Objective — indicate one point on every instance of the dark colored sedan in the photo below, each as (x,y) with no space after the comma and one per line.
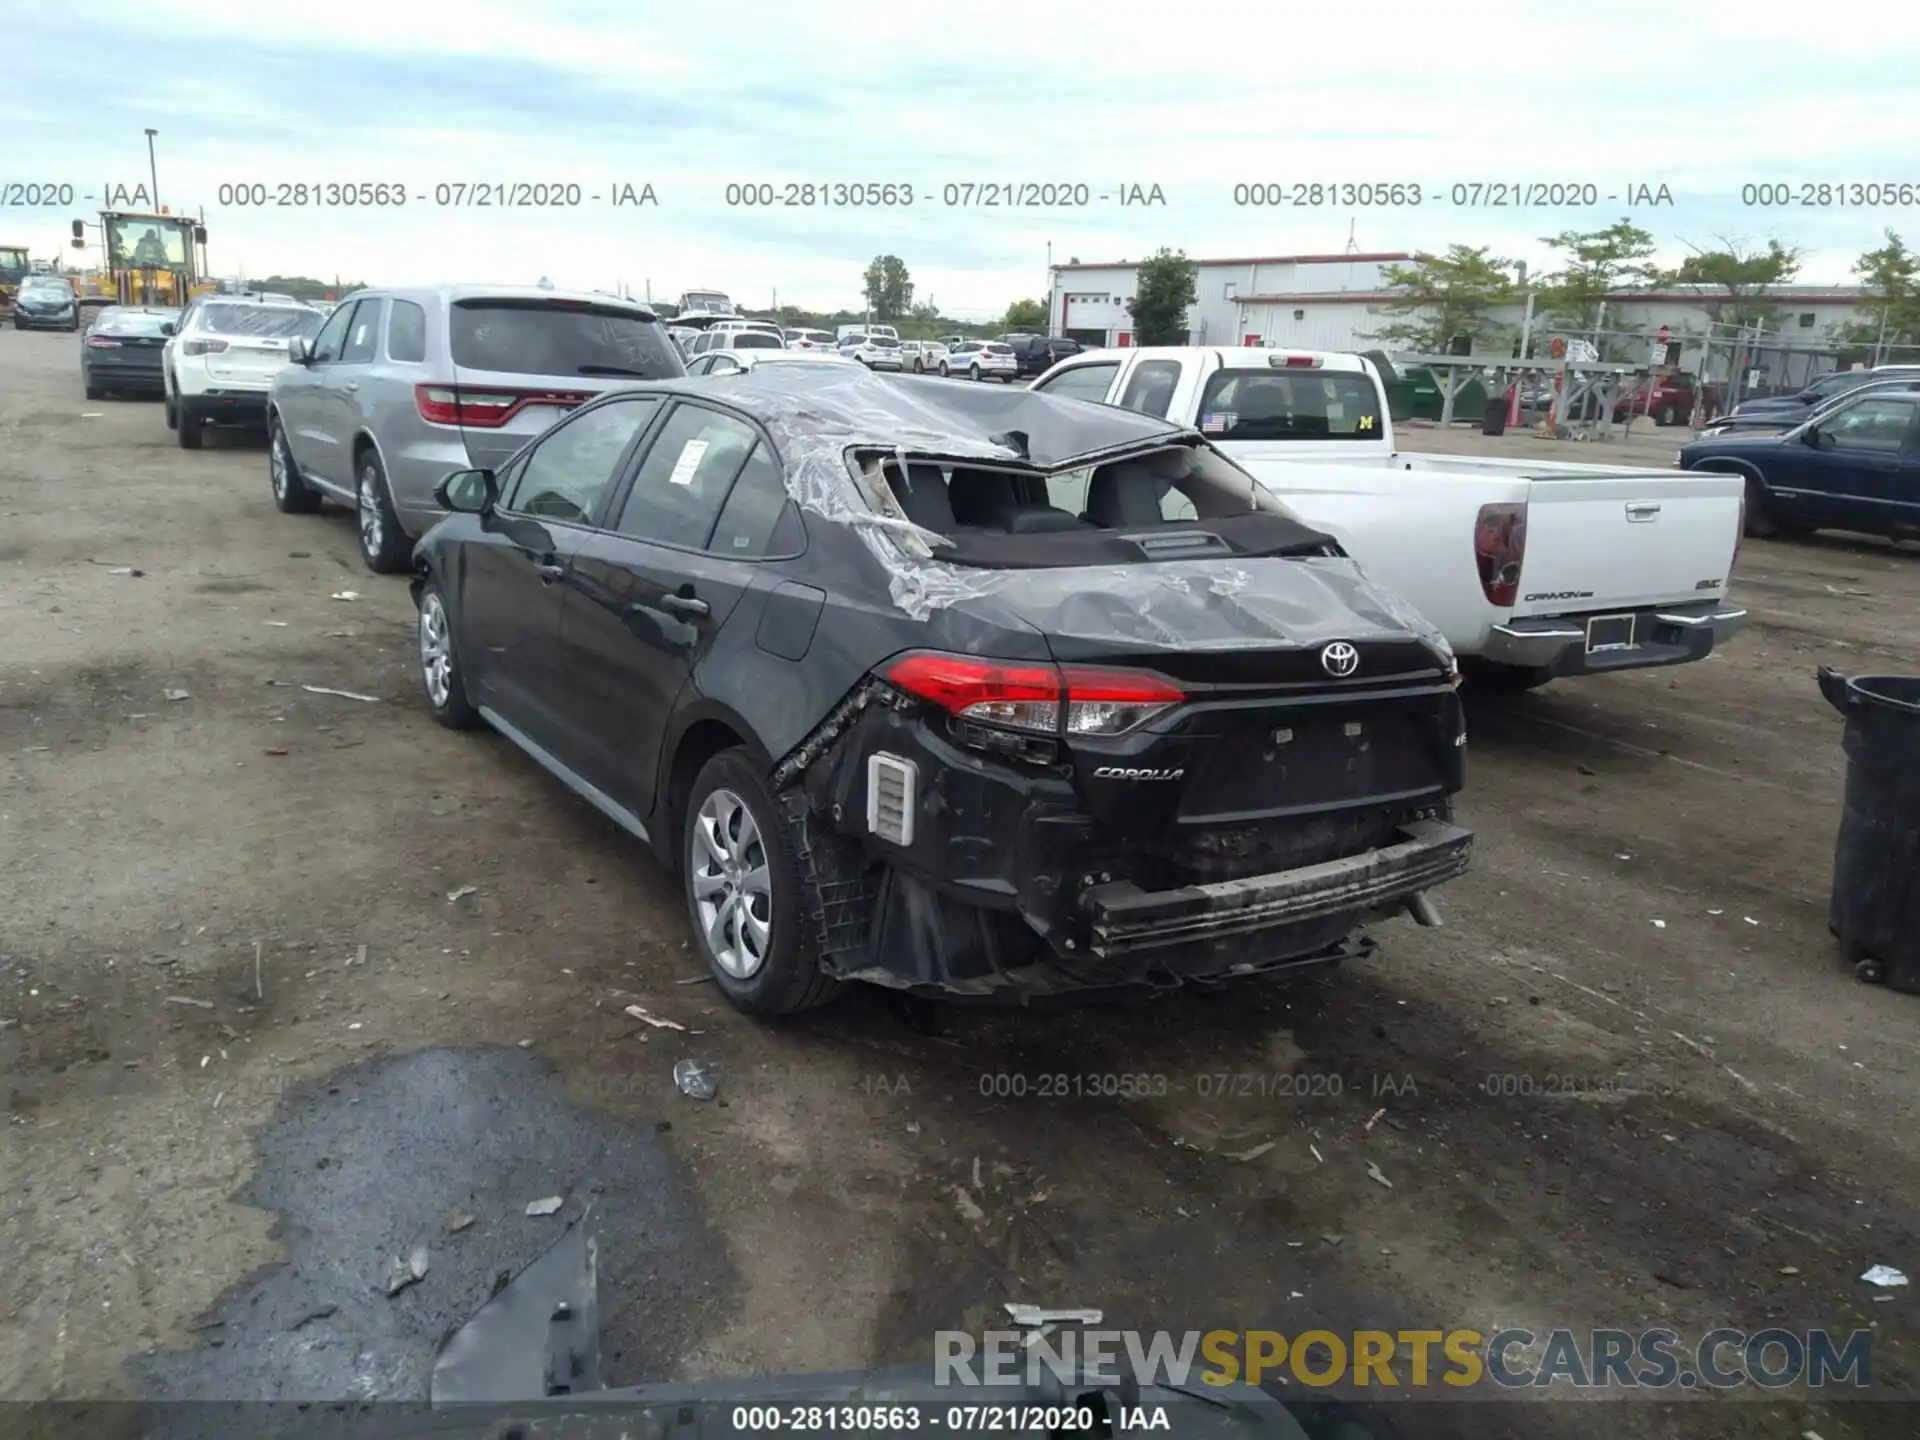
(958,690)
(45,302)
(122,351)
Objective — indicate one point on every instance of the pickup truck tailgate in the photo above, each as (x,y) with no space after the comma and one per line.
(1657,538)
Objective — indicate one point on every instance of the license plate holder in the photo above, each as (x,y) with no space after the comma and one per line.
(1610,632)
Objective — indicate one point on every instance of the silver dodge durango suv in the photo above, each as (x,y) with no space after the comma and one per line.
(403,385)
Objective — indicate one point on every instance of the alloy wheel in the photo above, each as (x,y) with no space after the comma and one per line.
(436,650)
(732,884)
(277,463)
(372,524)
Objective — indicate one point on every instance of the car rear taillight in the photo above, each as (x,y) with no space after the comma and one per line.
(1044,699)
(1739,534)
(100,342)
(486,409)
(1499,547)
(202,347)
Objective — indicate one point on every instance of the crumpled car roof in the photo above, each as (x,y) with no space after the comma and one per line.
(802,407)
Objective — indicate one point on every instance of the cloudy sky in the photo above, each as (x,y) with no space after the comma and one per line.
(1702,97)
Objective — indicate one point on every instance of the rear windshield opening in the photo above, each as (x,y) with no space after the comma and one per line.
(1020,519)
(1272,404)
(757,340)
(276,322)
(532,338)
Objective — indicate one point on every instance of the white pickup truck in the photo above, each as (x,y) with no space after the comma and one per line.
(1531,569)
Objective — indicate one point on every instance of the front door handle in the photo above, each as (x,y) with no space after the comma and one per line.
(549,573)
(685,605)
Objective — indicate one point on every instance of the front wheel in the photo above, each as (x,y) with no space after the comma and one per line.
(742,887)
(1668,414)
(383,544)
(1760,521)
(945,371)
(440,673)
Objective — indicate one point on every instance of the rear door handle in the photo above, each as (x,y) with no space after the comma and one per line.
(550,573)
(685,605)
(1644,510)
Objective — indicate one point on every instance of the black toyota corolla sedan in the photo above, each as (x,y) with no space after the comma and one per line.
(964,692)
(45,302)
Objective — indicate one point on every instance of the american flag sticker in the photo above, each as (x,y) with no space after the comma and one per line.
(1216,423)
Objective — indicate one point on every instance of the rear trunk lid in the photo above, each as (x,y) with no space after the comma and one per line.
(520,363)
(252,340)
(1660,538)
(1304,713)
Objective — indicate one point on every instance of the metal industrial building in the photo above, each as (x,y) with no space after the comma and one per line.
(1331,302)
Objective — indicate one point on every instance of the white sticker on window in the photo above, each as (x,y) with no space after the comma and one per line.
(689,461)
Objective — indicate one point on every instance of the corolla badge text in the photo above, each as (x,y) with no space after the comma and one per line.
(1122,772)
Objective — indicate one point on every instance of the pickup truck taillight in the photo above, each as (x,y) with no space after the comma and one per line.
(1739,534)
(1499,546)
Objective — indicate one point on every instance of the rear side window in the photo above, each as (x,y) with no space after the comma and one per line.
(684,482)
(363,338)
(753,508)
(407,332)
(757,340)
(1084,382)
(560,338)
(571,468)
(1276,404)
(1150,387)
(273,321)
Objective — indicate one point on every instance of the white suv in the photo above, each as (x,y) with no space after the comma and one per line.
(221,358)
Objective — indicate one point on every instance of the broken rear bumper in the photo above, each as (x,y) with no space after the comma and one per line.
(1125,920)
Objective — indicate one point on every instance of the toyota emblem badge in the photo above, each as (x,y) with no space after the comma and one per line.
(1340,659)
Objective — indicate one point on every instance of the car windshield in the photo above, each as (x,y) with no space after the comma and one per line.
(49,283)
(1273,404)
(1837,383)
(269,321)
(535,337)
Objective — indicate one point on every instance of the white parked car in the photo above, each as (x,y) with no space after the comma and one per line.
(810,340)
(876,352)
(718,339)
(1534,569)
(921,356)
(738,362)
(981,360)
(220,361)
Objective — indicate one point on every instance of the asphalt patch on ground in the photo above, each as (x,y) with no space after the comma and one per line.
(377,1160)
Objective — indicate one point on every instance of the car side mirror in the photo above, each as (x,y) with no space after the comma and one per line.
(1814,438)
(169,328)
(299,351)
(467,492)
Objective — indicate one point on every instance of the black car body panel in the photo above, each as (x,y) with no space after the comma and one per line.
(1854,466)
(1287,714)
(1789,413)
(123,349)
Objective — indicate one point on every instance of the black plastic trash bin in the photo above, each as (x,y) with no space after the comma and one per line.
(1875,908)
(1494,420)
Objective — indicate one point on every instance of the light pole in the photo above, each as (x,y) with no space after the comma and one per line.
(153,170)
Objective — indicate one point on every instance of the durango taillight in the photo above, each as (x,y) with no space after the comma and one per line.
(486,409)
(1499,547)
(202,347)
(1043,699)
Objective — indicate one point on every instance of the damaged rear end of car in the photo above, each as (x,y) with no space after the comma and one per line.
(1145,729)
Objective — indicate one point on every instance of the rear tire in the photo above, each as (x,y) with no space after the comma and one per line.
(189,430)
(737,863)
(94,392)
(946,372)
(291,493)
(383,544)
(973,373)
(1667,415)
(173,414)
